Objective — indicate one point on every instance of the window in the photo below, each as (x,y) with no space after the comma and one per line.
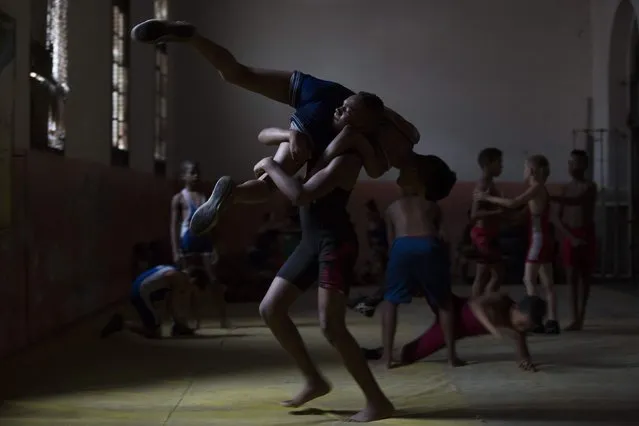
(161,88)
(57,85)
(120,83)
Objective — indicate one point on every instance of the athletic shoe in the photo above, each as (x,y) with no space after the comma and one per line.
(115,324)
(365,309)
(181,330)
(156,31)
(552,327)
(206,216)
(372,354)
(352,303)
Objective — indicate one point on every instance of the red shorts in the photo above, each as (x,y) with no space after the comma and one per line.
(541,248)
(486,242)
(582,257)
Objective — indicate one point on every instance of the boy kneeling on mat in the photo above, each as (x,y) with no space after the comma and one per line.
(159,283)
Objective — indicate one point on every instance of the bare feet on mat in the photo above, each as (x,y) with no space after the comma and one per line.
(372,412)
(311,391)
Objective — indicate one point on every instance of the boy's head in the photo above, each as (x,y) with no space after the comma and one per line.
(578,163)
(364,111)
(429,176)
(490,161)
(190,172)
(142,258)
(529,313)
(537,167)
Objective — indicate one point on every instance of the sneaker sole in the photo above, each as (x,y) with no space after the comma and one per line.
(155,31)
(206,216)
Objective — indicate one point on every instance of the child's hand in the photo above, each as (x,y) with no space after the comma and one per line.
(479,195)
(527,365)
(299,147)
(259,168)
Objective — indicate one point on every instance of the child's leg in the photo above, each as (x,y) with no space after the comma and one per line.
(270,83)
(299,272)
(480,282)
(496,277)
(332,313)
(531,273)
(573,281)
(425,345)
(547,280)
(217,289)
(585,281)
(447,324)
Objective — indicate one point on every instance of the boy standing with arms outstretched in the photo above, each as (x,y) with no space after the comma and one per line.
(576,212)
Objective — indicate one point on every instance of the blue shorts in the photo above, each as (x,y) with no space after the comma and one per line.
(418,263)
(193,244)
(315,102)
(147,288)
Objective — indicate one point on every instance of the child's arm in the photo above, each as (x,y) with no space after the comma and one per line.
(175,225)
(510,203)
(373,160)
(300,144)
(390,227)
(479,305)
(476,213)
(389,328)
(523,355)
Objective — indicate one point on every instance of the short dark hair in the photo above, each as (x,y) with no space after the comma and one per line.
(489,155)
(535,307)
(581,154)
(540,165)
(187,164)
(372,102)
(438,179)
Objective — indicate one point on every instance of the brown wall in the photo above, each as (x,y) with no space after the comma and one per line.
(68,253)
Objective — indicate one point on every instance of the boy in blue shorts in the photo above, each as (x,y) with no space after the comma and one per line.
(320,107)
(419,258)
(159,283)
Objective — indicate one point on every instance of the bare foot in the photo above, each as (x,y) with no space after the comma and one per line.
(574,326)
(373,412)
(311,391)
(456,362)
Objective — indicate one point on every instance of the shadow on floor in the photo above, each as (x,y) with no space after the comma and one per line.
(611,416)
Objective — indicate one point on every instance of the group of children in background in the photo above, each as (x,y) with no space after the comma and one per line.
(417,262)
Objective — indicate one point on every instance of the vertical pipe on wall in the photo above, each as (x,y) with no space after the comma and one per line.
(616,203)
(602,203)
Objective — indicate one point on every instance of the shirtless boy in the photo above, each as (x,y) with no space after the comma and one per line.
(541,244)
(577,210)
(490,313)
(419,259)
(485,232)
(190,250)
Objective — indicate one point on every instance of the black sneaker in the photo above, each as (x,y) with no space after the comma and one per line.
(365,309)
(206,216)
(372,354)
(181,330)
(352,303)
(155,31)
(115,324)
(552,327)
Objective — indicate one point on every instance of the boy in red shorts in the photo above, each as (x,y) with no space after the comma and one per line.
(577,210)
(485,218)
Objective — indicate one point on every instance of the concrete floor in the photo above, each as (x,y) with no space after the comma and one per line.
(237,377)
